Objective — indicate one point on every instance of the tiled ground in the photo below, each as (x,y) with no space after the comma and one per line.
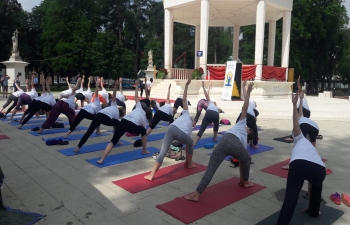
(71,191)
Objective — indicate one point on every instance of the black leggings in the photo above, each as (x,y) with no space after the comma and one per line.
(142,87)
(35,108)
(300,170)
(99,119)
(10,99)
(307,129)
(83,114)
(209,117)
(30,107)
(127,126)
(251,123)
(160,115)
(179,102)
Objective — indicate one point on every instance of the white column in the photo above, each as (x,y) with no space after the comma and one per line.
(197,46)
(168,40)
(204,35)
(272,41)
(259,38)
(287,18)
(236,31)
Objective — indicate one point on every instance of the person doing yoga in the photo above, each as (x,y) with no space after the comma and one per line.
(179,103)
(120,97)
(45,102)
(180,130)
(87,112)
(305,164)
(211,116)
(108,116)
(67,93)
(251,122)
(202,104)
(103,95)
(233,143)
(83,96)
(66,106)
(134,122)
(155,105)
(164,113)
(12,98)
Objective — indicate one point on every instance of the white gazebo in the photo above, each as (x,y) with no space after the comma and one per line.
(232,13)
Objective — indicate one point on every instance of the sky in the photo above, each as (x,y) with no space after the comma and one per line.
(29,4)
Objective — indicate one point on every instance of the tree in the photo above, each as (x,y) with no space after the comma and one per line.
(158,53)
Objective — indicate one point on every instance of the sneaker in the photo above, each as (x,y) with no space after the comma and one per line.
(345,199)
(335,198)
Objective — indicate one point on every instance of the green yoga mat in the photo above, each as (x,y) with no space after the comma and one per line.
(328,215)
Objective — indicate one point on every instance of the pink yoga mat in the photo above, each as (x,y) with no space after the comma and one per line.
(4,137)
(164,175)
(277,169)
(212,199)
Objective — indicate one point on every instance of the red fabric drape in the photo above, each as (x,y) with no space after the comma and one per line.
(216,73)
(271,72)
(248,72)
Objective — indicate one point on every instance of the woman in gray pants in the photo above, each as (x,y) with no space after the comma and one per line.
(181,131)
(233,143)
(211,116)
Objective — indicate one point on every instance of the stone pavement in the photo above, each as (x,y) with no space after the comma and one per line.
(71,191)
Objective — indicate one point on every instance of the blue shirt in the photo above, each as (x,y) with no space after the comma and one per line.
(5,81)
(35,80)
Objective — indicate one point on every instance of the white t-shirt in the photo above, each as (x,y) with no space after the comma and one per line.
(303,149)
(212,107)
(48,99)
(104,94)
(251,111)
(70,101)
(67,92)
(305,105)
(120,97)
(42,95)
(167,108)
(87,94)
(184,122)
(240,131)
(18,93)
(308,121)
(33,94)
(149,84)
(252,103)
(80,90)
(137,116)
(93,107)
(111,111)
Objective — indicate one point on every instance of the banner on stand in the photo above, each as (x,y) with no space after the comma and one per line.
(229,80)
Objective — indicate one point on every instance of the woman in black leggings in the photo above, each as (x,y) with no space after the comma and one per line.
(178,103)
(251,122)
(305,164)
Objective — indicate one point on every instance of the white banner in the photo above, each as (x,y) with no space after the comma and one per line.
(229,80)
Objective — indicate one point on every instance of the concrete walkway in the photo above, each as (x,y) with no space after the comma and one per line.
(71,191)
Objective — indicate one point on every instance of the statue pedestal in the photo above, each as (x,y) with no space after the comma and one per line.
(14,67)
(15,56)
(150,72)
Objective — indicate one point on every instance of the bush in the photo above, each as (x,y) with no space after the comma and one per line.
(162,73)
(197,73)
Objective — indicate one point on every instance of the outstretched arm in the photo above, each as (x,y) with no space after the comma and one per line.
(121,85)
(299,85)
(246,93)
(168,96)
(82,81)
(102,83)
(76,86)
(209,88)
(32,84)
(184,98)
(67,80)
(48,84)
(27,85)
(296,127)
(98,84)
(136,92)
(89,80)
(300,113)
(43,85)
(205,92)
(115,90)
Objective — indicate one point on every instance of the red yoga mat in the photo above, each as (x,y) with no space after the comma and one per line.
(164,175)
(278,170)
(2,137)
(215,197)
(155,99)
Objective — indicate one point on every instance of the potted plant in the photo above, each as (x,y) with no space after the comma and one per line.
(162,73)
(197,73)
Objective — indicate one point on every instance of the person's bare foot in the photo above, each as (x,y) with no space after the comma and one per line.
(215,139)
(192,197)
(20,126)
(247,184)
(119,143)
(288,139)
(286,167)
(190,166)
(149,177)
(307,210)
(145,152)
(76,150)
(256,146)
(40,131)
(99,161)
(99,132)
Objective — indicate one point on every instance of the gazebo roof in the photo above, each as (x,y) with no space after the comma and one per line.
(226,13)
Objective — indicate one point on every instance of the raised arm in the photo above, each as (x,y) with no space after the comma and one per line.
(27,84)
(102,83)
(299,85)
(76,86)
(32,84)
(296,127)
(82,81)
(168,96)
(246,94)
(18,87)
(67,80)
(136,92)
(43,85)
(121,85)
(89,80)
(184,98)
(48,84)
(115,90)
(300,113)
(209,88)
(205,92)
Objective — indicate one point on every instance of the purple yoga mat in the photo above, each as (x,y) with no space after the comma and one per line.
(197,127)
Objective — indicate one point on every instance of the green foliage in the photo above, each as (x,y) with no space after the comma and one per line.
(197,73)
(158,53)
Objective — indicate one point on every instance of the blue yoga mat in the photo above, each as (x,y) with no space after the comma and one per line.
(198,127)
(153,137)
(123,157)
(56,131)
(75,137)
(262,148)
(91,148)
(203,141)
(31,126)
(32,121)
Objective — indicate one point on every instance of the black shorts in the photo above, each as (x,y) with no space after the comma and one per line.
(80,96)
(307,129)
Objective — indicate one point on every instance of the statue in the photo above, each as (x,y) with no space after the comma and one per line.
(150,58)
(15,41)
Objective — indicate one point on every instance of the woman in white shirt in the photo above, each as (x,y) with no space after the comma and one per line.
(179,103)
(233,143)
(66,93)
(45,102)
(103,95)
(120,98)
(211,116)
(164,113)
(134,122)
(108,116)
(12,98)
(180,130)
(251,123)
(305,164)
(84,96)
(87,112)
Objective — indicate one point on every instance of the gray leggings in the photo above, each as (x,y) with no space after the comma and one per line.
(10,99)
(209,117)
(229,145)
(174,133)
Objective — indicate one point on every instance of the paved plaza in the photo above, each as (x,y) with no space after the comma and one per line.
(71,191)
